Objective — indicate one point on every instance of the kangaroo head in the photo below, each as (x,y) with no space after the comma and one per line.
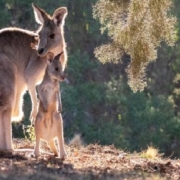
(51,36)
(55,69)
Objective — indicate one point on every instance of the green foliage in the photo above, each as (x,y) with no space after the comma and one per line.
(148,120)
(136,27)
(29,132)
(144,119)
(105,133)
(82,97)
(129,121)
(4,14)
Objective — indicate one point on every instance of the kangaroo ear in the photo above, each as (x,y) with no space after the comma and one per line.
(60,15)
(58,56)
(40,15)
(50,57)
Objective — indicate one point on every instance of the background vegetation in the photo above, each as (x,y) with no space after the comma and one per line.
(97,101)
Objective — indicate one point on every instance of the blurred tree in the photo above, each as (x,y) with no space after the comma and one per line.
(136,27)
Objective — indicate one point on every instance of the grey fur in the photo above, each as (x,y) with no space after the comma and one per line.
(49,123)
(22,69)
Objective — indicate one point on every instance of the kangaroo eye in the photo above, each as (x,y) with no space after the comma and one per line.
(56,69)
(52,36)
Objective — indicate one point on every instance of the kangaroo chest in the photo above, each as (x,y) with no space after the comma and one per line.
(48,92)
(50,126)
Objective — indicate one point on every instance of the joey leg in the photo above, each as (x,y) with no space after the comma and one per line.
(60,136)
(53,147)
(38,125)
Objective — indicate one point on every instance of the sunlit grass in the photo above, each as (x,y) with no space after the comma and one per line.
(150,153)
(76,141)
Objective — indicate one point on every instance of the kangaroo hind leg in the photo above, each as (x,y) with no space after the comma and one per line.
(5,131)
(5,121)
(53,147)
(60,135)
(7,97)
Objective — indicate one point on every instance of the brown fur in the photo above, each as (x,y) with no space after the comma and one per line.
(21,69)
(48,123)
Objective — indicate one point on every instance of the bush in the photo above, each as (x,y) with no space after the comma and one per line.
(131,121)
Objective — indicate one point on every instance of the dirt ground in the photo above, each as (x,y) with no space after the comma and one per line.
(92,162)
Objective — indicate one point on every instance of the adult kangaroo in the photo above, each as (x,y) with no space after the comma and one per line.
(22,67)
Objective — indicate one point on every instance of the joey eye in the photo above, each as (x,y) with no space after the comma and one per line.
(56,69)
(52,36)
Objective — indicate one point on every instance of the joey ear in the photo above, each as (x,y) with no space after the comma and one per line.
(50,57)
(58,56)
(60,15)
(40,15)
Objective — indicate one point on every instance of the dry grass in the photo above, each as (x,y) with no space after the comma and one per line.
(76,141)
(86,163)
(150,153)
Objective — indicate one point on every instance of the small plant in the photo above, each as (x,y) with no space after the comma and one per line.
(76,141)
(28,132)
(150,153)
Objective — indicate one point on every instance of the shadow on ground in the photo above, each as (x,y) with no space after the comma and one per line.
(84,163)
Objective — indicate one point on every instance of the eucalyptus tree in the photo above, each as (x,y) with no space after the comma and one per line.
(136,27)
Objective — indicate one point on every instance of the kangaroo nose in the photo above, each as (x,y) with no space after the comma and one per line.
(40,51)
(63,77)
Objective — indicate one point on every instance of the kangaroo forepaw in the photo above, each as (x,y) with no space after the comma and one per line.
(35,154)
(62,155)
(33,116)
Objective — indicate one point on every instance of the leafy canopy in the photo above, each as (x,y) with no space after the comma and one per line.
(137,28)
